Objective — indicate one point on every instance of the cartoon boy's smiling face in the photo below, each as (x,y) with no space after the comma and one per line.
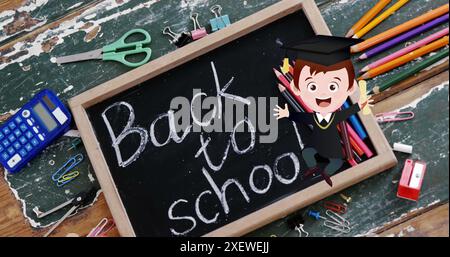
(324,91)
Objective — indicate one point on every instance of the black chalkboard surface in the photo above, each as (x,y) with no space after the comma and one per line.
(163,175)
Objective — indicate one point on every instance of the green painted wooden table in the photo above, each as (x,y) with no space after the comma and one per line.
(33,33)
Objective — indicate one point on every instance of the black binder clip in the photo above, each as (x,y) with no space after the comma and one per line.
(296,223)
(178,39)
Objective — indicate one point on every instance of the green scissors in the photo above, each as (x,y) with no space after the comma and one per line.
(116,51)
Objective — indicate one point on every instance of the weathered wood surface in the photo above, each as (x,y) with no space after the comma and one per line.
(53,28)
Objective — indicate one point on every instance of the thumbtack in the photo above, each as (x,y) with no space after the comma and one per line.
(315,215)
(74,144)
(347,199)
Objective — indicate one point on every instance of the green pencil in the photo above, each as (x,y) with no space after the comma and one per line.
(412,71)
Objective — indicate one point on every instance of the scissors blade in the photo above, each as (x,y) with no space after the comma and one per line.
(95,54)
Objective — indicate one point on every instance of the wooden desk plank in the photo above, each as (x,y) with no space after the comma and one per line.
(433,223)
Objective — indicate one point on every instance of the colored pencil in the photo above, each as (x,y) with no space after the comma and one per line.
(289,99)
(358,148)
(405,58)
(288,74)
(437,71)
(375,22)
(407,50)
(404,37)
(359,141)
(368,17)
(286,84)
(400,29)
(412,71)
(356,123)
(346,141)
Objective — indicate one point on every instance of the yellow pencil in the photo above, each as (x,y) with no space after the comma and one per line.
(380,18)
(405,58)
(367,17)
(375,40)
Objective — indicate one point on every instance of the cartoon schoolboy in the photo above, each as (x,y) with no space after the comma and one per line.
(324,78)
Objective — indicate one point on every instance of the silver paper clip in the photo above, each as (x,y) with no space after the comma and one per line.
(62,175)
(336,222)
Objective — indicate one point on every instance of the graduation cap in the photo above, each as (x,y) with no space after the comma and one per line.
(324,50)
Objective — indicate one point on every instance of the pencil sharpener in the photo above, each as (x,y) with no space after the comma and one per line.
(199,31)
(220,21)
(411,180)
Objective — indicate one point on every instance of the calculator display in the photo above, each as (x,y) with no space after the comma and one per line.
(45,117)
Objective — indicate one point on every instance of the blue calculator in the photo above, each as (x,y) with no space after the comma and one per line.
(31,129)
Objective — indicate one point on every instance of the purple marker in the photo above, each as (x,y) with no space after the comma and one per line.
(404,37)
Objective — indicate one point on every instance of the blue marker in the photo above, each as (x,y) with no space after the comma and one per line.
(356,123)
(40,121)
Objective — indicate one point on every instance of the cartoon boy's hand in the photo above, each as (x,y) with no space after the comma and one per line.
(364,100)
(280,112)
(367,101)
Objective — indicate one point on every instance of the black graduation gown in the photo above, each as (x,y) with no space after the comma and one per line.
(325,138)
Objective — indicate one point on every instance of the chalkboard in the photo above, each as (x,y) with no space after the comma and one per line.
(205,182)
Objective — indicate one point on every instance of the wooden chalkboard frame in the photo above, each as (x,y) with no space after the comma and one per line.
(79,104)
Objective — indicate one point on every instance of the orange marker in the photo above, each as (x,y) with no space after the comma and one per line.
(367,17)
(400,29)
(406,58)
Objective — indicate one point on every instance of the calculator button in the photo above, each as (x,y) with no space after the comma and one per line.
(5,156)
(17,133)
(23,152)
(23,127)
(28,147)
(41,137)
(26,114)
(5,143)
(22,140)
(18,120)
(14,160)
(35,130)
(28,134)
(6,130)
(34,142)
(10,150)
(17,145)
(30,122)
(12,125)
(12,138)
(1,136)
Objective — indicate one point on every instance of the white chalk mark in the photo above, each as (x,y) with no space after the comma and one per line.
(221,193)
(299,138)
(127,130)
(202,149)
(153,138)
(252,137)
(170,213)
(198,212)
(296,168)
(251,181)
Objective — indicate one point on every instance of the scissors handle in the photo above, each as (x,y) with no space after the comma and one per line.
(120,56)
(111,52)
(119,44)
